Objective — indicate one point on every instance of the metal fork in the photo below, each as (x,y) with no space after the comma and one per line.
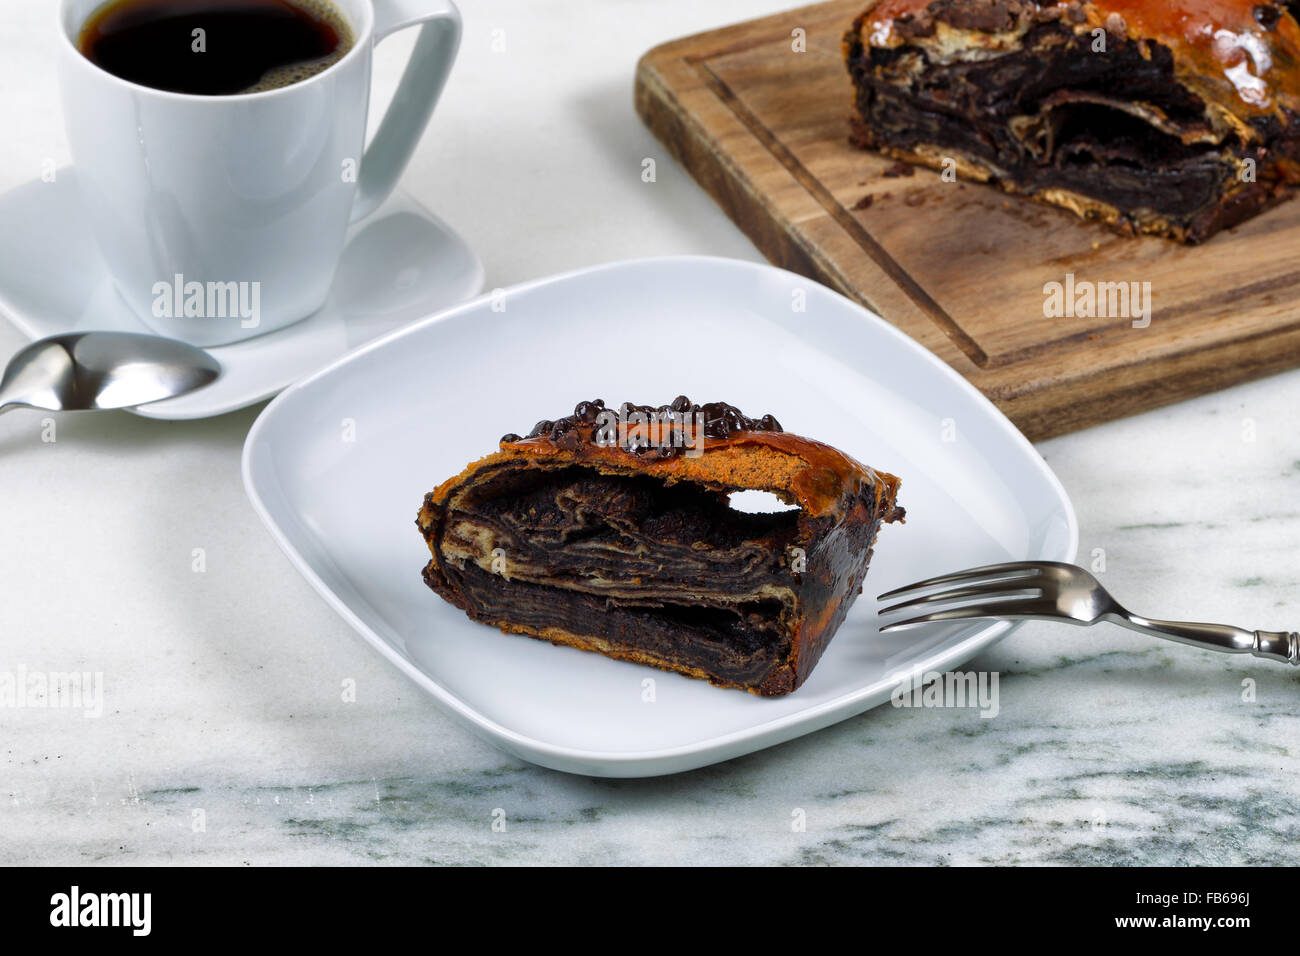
(1050,591)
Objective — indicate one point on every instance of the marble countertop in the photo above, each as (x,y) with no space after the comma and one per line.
(224,736)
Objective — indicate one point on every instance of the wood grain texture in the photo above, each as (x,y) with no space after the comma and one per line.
(960,266)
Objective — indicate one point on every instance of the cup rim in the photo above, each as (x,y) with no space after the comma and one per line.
(360,39)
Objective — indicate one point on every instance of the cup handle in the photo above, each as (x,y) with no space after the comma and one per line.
(417,94)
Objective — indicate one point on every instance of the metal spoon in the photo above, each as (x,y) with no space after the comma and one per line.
(80,371)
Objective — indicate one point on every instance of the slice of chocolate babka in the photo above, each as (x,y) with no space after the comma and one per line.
(1171,117)
(612,530)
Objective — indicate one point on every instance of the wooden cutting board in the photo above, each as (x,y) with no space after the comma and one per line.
(959,266)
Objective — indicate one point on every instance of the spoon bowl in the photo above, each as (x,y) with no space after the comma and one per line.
(87,371)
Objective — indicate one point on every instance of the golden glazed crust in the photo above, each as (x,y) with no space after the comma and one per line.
(800,471)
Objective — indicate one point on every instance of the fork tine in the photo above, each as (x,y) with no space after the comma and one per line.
(994,591)
(1018,568)
(1004,611)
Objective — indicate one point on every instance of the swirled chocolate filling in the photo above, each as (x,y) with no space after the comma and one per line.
(1063,103)
(642,556)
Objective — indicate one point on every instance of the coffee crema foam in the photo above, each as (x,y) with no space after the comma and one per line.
(282,76)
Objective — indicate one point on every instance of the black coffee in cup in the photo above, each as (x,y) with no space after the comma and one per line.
(216,47)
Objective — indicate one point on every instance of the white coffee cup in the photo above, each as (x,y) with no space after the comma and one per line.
(212,205)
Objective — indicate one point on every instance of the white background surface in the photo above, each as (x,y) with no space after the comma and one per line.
(223,689)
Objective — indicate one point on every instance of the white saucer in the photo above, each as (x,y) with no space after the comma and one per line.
(400,264)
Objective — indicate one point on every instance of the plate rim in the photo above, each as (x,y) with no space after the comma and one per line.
(642,763)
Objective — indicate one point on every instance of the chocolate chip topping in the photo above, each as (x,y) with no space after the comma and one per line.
(719,419)
(1267,16)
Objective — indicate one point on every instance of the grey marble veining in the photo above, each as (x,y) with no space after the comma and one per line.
(1108,748)
(226,737)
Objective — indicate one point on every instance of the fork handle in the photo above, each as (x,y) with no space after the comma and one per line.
(1280,646)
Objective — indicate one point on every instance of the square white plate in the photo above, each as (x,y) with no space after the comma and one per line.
(338,464)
